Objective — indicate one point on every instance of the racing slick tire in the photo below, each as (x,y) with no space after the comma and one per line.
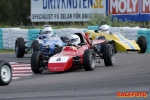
(57,50)
(102,49)
(37,65)
(20,47)
(109,55)
(142,44)
(5,73)
(102,44)
(35,45)
(89,60)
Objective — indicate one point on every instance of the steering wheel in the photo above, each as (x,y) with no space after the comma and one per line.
(101,23)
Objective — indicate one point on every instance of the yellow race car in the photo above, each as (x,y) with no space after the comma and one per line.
(118,41)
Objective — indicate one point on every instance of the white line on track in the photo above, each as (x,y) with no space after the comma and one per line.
(21,75)
(21,68)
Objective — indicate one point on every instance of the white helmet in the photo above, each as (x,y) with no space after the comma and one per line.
(48,32)
(75,39)
(104,28)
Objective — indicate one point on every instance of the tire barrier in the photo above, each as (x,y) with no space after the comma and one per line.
(8,36)
(146,33)
(1,40)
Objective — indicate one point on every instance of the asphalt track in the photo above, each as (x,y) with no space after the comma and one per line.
(130,73)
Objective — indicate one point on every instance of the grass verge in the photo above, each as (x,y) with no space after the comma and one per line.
(7,51)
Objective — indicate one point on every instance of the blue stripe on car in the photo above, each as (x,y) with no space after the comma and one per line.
(132,47)
(123,40)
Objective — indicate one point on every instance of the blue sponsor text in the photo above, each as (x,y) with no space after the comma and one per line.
(72,4)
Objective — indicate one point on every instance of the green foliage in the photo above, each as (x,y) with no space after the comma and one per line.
(15,13)
(113,21)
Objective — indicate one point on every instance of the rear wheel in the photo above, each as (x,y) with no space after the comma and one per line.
(89,60)
(5,73)
(109,55)
(102,45)
(101,38)
(35,45)
(142,44)
(20,47)
(37,65)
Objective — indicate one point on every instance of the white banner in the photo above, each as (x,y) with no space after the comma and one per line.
(65,10)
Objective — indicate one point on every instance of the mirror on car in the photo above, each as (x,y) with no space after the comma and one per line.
(96,31)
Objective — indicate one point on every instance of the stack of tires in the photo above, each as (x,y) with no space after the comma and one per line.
(130,32)
(92,27)
(1,40)
(32,35)
(146,33)
(5,38)
(13,34)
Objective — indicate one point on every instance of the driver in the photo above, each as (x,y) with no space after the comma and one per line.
(105,28)
(75,40)
(47,33)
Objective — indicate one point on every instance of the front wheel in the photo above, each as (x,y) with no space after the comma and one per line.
(35,45)
(37,65)
(142,44)
(102,45)
(89,60)
(5,73)
(20,47)
(109,55)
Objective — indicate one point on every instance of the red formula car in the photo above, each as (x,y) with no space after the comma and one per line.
(86,55)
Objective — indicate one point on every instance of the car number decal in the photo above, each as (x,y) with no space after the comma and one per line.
(58,59)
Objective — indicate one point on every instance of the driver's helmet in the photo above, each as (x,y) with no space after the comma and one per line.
(104,28)
(47,32)
(75,39)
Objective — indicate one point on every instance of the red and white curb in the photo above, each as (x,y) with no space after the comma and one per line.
(20,70)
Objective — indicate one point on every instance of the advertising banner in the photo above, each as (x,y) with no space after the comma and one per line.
(65,10)
(134,10)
